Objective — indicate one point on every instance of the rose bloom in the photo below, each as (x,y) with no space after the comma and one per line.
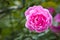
(38,19)
(55,29)
(57,17)
(51,10)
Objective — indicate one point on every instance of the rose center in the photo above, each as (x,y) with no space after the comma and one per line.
(38,20)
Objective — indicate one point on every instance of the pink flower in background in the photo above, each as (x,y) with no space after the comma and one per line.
(55,29)
(38,19)
(57,17)
(51,10)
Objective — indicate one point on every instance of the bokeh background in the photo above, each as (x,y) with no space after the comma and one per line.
(12,19)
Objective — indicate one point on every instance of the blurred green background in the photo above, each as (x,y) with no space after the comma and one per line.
(12,19)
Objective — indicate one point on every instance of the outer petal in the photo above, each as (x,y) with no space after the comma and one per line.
(29,26)
(32,10)
(49,17)
(39,30)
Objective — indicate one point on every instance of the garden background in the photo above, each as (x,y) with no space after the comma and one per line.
(12,20)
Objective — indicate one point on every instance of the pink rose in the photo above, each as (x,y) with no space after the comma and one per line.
(57,17)
(51,10)
(38,19)
(55,29)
